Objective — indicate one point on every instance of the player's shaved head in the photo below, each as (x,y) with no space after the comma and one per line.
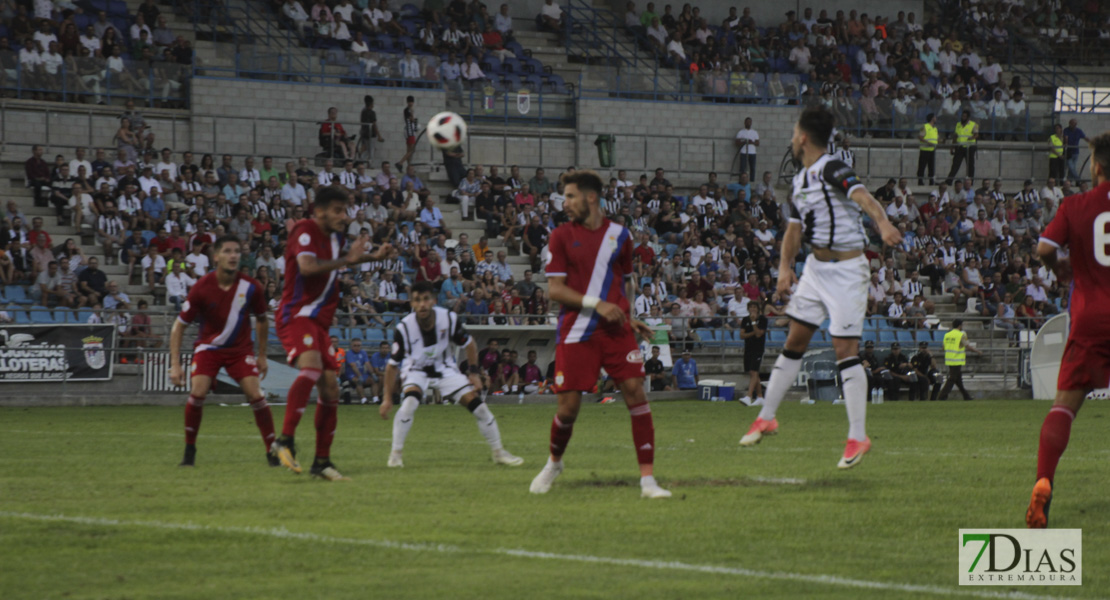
(1100,156)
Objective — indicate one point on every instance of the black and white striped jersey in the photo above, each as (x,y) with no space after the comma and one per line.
(428,351)
(821,203)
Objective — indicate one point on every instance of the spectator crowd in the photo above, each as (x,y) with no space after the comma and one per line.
(64,50)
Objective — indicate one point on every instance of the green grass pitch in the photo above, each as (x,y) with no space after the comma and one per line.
(93,506)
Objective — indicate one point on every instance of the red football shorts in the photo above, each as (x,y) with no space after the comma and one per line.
(577,366)
(411,140)
(239,364)
(1086,365)
(301,335)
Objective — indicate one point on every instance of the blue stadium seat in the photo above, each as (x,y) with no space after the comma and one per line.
(16,295)
(375,336)
(40,314)
(905,337)
(869,335)
(776,336)
(20,317)
(403,296)
(79,316)
(338,332)
(887,336)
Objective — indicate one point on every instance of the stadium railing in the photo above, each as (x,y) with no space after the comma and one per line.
(90,81)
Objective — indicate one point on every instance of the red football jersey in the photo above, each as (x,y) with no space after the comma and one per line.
(314,297)
(224,315)
(595,263)
(1081,225)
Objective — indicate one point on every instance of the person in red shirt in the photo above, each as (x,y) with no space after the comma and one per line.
(308,303)
(644,251)
(589,268)
(222,302)
(162,243)
(1080,225)
(333,138)
(37,231)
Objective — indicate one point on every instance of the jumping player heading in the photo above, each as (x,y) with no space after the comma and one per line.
(223,301)
(308,303)
(825,211)
(589,268)
(1080,224)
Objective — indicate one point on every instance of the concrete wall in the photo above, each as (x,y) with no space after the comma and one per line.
(243,117)
(62,127)
(686,139)
(768,14)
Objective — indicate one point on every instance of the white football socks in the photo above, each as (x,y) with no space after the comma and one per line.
(782,377)
(402,422)
(855,397)
(487,424)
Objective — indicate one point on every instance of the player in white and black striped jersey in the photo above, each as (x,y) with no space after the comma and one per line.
(845,153)
(826,211)
(423,355)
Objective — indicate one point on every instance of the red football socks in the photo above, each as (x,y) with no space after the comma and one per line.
(561,430)
(327,415)
(298,399)
(1054,440)
(264,419)
(643,433)
(194,410)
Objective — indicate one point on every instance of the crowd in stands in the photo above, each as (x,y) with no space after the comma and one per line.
(454,44)
(91,50)
(702,257)
(878,75)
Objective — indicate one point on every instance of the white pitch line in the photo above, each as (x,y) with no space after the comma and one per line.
(657,565)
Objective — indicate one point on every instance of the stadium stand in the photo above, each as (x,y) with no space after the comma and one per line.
(730,243)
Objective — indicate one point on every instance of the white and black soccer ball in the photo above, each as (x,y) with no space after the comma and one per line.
(446,130)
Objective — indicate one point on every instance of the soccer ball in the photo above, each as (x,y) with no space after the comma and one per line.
(446,130)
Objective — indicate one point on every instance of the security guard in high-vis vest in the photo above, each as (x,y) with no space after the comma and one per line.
(1056,153)
(927,153)
(967,133)
(955,356)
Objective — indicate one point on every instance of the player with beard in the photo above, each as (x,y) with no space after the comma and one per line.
(308,302)
(588,272)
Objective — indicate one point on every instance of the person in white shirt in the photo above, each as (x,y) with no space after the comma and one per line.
(747,144)
(657,34)
(327,176)
(898,210)
(147,181)
(344,10)
(296,13)
(140,26)
(165,163)
(702,202)
(551,16)
(989,72)
(800,56)
(645,301)
(503,23)
(675,49)
(177,285)
(293,192)
(472,74)
(1015,113)
(197,261)
(80,161)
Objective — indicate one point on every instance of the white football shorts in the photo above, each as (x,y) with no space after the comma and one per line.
(832,290)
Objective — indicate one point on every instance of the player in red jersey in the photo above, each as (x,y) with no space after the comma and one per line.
(1080,224)
(308,303)
(589,268)
(223,301)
